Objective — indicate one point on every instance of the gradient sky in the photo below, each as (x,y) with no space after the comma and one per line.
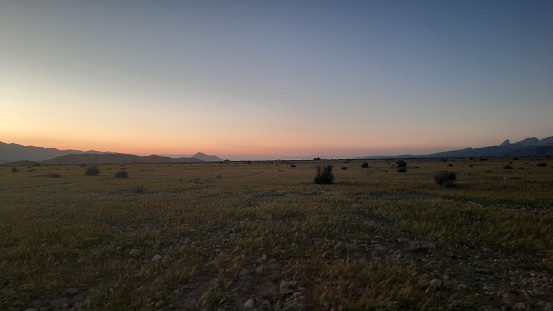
(275,79)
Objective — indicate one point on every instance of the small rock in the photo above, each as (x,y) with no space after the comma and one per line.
(259,270)
(249,303)
(263,258)
(30,309)
(72,291)
(157,258)
(60,304)
(436,283)
(244,272)
(445,277)
(520,306)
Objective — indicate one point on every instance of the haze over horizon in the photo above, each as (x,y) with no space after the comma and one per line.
(268,80)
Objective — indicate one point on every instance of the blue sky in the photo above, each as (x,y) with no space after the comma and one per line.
(267,79)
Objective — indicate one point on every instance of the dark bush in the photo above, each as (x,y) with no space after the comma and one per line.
(401,169)
(293,165)
(92,171)
(324,175)
(446,179)
(344,167)
(364,165)
(539,164)
(401,163)
(317,159)
(507,167)
(122,174)
(54,175)
(450,164)
(139,189)
(15,169)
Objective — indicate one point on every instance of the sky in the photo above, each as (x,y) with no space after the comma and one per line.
(275,79)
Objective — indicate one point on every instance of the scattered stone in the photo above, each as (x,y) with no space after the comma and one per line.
(244,272)
(263,258)
(259,270)
(287,287)
(435,283)
(445,277)
(63,303)
(30,309)
(72,291)
(520,306)
(249,303)
(156,258)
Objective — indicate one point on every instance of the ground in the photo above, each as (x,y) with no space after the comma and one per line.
(263,236)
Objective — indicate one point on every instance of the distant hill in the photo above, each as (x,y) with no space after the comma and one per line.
(207,158)
(525,148)
(91,158)
(15,152)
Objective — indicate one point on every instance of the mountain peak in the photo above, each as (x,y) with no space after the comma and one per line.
(530,141)
(505,143)
(208,158)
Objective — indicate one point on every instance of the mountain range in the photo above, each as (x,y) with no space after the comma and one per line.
(9,153)
(18,153)
(527,147)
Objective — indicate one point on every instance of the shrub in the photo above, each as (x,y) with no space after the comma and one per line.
(138,189)
(364,165)
(507,167)
(15,169)
(122,174)
(293,165)
(92,171)
(54,175)
(446,179)
(401,163)
(450,164)
(324,175)
(344,167)
(539,164)
(401,169)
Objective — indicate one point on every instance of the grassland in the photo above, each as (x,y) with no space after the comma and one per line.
(212,236)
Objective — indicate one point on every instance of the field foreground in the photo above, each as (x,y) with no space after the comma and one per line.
(262,236)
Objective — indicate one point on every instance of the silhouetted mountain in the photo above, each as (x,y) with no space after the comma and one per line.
(91,158)
(207,158)
(527,147)
(15,152)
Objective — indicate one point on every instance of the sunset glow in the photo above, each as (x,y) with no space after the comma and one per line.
(269,80)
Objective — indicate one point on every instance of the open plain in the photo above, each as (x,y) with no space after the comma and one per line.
(263,236)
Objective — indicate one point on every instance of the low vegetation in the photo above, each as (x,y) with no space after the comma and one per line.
(213,236)
(122,174)
(92,171)
(324,175)
(446,179)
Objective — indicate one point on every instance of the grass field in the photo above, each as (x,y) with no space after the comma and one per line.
(263,236)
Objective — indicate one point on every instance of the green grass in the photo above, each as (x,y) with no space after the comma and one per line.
(225,233)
